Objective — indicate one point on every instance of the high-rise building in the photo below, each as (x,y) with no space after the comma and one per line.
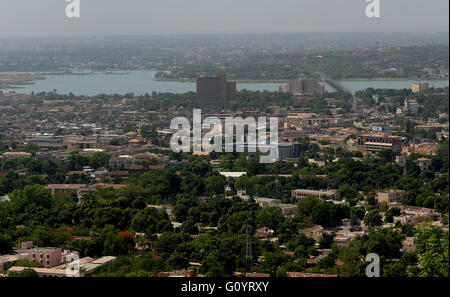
(303,86)
(411,106)
(215,90)
(420,87)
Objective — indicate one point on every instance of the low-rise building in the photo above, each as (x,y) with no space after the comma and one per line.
(47,272)
(390,196)
(79,190)
(16,155)
(85,266)
(424,164)
(65,189)
(48,256)
(322,194)
(7,260)
(314,232)
(374,142)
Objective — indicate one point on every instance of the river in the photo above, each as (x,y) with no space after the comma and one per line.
(141,82)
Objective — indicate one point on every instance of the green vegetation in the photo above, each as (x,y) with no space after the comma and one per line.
(117,220)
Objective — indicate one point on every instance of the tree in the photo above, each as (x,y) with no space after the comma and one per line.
(373,218)
(384,206)
(352,262)
(303,246)
(287,230)
(387,155)
(432,245)
(326,240)
(181,209)
(75,161)
(31,197)
(390,213)
(140,273)
(148,131)
(347,191)
(116,245)
(306,206)
(273,260)
(25,273)
(189,227)
(6,243)
(238,221)
(177,261)
(324,214)
(27,263)
(98,160)
(270,217)
(394,270)
(215,184)
(41,236)
(385,242)
(213,267)
(168,242)
(150,220)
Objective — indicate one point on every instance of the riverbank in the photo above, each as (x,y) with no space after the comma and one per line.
(239,81)
(391,79)
(17,81)
(281,81)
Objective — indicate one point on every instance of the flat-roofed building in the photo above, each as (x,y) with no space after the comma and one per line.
(104,260)
(6,261)
(391,196)
(288,151)
(303,86)
(289,210)
(86,266)
(16,155)
(46,140)
(322,194)
(94,187)
(419,87)
(373,142)
(47,272)
(232,174)
(47,256)
(215,90)
(79,190)
(65,189)
(411,106)
(80,142)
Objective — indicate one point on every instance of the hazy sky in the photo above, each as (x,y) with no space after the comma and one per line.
(20,18)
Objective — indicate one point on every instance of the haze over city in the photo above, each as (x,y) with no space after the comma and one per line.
(23,18)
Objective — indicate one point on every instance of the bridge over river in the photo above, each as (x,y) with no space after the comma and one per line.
(340,88)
